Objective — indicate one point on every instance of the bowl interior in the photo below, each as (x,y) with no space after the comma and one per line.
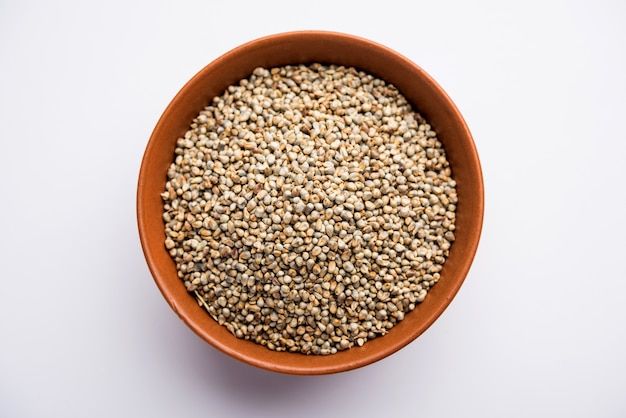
(295,48)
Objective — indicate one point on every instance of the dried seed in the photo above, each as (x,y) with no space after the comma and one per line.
(309,208)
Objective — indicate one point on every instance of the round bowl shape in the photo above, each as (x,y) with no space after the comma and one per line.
(419,89)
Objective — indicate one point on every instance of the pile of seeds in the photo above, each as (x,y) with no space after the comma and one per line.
(309,208)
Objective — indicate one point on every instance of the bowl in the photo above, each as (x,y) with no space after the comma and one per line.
(304,47)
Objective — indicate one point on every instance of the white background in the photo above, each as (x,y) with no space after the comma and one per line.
(538,329)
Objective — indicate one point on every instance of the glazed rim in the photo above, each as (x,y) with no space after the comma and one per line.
(470,210)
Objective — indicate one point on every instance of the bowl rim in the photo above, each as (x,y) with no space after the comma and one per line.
(368,358)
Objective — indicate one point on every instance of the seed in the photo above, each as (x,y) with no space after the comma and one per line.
(309,208)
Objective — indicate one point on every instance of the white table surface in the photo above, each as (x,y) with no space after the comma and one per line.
(538,329)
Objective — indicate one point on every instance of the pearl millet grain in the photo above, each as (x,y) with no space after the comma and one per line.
(309,208)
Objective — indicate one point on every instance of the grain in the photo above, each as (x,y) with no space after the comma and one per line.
(309,208)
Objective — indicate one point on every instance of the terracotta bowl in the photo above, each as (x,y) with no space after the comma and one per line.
(296,48)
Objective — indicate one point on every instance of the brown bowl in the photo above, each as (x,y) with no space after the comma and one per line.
(298,48)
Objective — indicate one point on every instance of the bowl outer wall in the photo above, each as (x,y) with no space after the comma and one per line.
(426,97)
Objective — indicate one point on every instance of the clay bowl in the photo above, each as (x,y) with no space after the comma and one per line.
(295,48)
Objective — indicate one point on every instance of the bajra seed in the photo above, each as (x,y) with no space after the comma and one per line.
(309,208)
